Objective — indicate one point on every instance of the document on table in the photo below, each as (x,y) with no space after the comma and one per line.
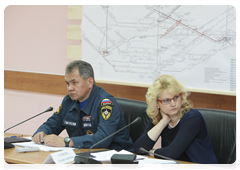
(105,156)
(41,146)
(155,161)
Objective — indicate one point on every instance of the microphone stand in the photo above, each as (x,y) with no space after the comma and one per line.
(86,161)
(7,144)
(49,109)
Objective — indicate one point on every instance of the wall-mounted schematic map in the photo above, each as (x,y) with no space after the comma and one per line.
(136,44)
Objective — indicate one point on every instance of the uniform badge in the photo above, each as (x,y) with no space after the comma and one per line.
(89,132)
(106,102)
(58,110)
(68,123)
(87,124)
(106,110)
(86,118)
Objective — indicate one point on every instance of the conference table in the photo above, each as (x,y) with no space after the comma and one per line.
(34,160)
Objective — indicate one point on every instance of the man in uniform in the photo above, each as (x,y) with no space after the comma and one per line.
(88,113)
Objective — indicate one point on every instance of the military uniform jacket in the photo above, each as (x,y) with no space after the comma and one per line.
(100,117)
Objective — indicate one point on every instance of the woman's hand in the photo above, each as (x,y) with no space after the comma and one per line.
(165,119)
(158,128)
(152,152)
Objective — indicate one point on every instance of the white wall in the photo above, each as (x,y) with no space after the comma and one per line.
(19,106)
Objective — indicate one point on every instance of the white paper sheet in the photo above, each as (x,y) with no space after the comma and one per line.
(155,161)
(41,146)
(105,156)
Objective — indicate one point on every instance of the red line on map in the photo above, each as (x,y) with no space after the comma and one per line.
(169,30)
(195,30)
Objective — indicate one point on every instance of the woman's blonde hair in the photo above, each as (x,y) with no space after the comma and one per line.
(170,83)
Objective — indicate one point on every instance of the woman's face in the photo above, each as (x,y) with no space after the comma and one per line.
(170,108)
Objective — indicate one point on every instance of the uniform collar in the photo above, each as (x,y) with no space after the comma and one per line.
(88,106)
(75,105)
(82,104)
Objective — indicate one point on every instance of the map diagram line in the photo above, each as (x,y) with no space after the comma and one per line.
(179,22)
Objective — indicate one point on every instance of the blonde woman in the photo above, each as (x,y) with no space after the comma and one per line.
(183,131)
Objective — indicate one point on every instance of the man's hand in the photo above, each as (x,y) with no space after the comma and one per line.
(38,138)
(54,140)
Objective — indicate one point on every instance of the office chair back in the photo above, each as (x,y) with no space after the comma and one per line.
(222,130)
(131,110)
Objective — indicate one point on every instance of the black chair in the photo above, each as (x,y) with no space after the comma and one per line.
(221,126)
(222,130)
(131,110)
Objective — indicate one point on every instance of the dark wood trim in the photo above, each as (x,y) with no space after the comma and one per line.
(55,84)
(35,82)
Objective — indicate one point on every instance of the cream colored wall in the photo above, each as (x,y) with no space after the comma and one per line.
(19,106)
(35,40)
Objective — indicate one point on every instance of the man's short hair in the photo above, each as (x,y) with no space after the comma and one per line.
(85,69)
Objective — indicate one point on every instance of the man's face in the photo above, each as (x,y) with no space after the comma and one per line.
(77,87)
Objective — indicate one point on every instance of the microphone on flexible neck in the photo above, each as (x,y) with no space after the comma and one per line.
(138,119)
(49,109)
(142,150)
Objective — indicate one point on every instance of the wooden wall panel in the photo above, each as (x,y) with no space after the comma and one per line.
(34,82)
(55,84)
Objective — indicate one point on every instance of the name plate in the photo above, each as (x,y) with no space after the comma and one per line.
(61,157)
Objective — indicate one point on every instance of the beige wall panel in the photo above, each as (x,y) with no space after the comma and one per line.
(74,52)
(74,32)
(75,12)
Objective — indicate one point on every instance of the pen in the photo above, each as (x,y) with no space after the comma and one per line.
(16,136)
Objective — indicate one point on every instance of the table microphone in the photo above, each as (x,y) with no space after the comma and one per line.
(49,109)
(142,150)
(138,119)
